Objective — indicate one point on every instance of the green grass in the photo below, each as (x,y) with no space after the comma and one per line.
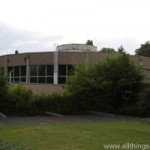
(78,136)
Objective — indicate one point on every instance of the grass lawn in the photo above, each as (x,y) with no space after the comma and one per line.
(76,136)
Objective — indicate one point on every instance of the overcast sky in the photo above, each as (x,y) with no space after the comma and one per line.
(39,25)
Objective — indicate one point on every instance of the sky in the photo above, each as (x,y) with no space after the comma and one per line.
(40,25)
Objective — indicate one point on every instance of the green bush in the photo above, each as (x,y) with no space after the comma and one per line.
(52,103)
(20,100)
(144,100)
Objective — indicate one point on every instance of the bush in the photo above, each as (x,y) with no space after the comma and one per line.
(20,100)
(52,103)
(144,100)
(3,92)
(106,86)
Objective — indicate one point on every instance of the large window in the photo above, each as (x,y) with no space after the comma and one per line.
(17,73)
(41,74)
(63,72)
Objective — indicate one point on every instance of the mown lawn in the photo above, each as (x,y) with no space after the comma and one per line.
(76,136)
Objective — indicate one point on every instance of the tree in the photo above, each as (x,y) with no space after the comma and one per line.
(144,50)
(89,42)
(125,78)
(105,86)
(3,92)
(107,50)
(3,84)
(121,49)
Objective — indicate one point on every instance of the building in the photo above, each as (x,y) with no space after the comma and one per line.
(46,72)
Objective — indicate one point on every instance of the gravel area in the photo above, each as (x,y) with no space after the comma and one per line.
(64,119)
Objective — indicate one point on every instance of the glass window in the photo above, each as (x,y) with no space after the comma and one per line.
(23,70)
(33,79)
(50,70)
(10,70)
(62,70)
(70,69)
(62,80)
(41,70)
(17,79)
(23,79)
(33,70)
(41,80)
(16,71)
(50,80)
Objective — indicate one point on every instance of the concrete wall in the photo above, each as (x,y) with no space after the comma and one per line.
(75,47)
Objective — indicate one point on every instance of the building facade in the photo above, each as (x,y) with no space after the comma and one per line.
(46,72)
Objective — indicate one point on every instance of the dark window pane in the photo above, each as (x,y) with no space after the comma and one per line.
(33,70)
(23,70)
(23,79)
(41,70)
(50,80)
(62,70)
(41,80)
(50,69)
(16,71)
(10,79)
(10,70)
(16,79)
(62,80)
(70,69)
(33,79)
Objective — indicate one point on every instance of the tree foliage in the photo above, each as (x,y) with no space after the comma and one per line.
(107,85)
(89,42)
(3,84)
(144,50)
(104,49)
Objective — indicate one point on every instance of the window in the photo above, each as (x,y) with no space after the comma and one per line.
(33,70)
(70,69)
(62,80)
(41,80)
(41,70)
(41,74)
(33,79)
(23,70)
(50,70)
(50,80)
(38,74)
(17,73)
(63,72)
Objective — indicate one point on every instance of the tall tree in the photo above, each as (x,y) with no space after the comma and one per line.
(3,84)
(104,49)
(89,42)
(144,50)
(109,84)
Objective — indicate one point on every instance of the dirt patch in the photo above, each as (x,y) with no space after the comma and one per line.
(65,119)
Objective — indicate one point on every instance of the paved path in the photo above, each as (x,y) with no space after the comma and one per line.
(65,119)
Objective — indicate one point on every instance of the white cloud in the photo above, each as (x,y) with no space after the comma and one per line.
(24,41)
(76,21)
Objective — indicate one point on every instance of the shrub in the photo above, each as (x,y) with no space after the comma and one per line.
(106,86)
(20,99)
(144,100)
(53,103)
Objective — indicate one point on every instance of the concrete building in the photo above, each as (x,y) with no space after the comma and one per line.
(46,72)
